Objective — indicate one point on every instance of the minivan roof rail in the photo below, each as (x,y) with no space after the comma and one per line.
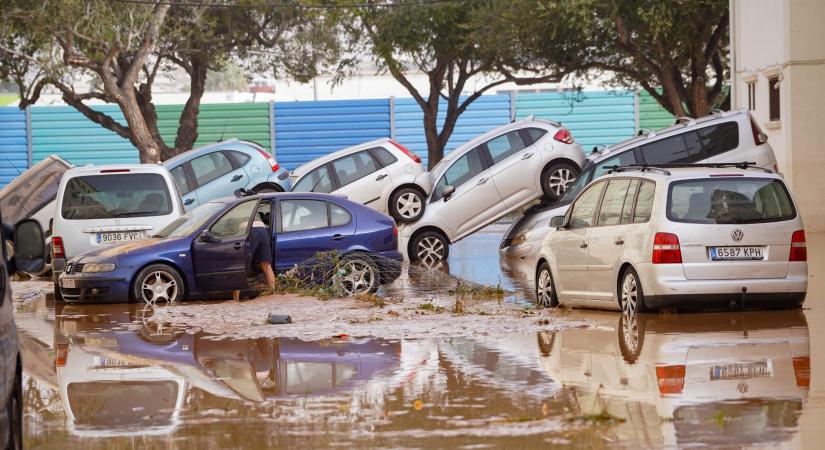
(744,165)
(639,167)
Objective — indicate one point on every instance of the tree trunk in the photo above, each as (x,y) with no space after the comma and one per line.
(140,135)
(435,151)
(188,129)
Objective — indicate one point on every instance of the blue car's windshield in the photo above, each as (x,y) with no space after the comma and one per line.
(191,221)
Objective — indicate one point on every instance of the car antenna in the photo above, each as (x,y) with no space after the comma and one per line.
(225,123)
(13,166)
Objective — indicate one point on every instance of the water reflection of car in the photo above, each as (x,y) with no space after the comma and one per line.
(679,380)
(209,249)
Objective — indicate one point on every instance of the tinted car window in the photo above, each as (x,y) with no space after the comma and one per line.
(240,159)
(629,201)
(210,167)
(623,159)
(716,139)
(573,191)
(181,182)
(644,202)
(338,216)
(533,134)
(611,210)
(463,169)
(113,196)
(298,215)
(729,201)
(505,145)
(384,156)
(581,215)
(674,149)
(354,167)
(317,180)
(234,223)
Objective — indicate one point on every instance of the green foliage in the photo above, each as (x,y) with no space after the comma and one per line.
(231,78)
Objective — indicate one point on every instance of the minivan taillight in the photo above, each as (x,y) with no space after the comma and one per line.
(802,371)
(58,251)
(671,379)
(799,250)
(406,151)
(563,135)
(666,249)
(272,163)
(758,136)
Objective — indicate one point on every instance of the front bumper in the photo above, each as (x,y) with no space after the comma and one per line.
(516,251)
(102,289)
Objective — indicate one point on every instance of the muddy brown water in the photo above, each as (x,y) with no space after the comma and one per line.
(107,376)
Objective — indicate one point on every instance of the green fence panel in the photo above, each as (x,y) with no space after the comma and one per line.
(246,121)
(652,115)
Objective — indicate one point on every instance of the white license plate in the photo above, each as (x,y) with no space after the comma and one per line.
(727,253)
(118,236)
(67,283)
(759,369)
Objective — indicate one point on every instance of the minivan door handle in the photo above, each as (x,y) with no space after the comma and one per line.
(582,244)
(337,237)
(482,181)
(527,156)
(237,177)
(189,201)
(619,241)
(381,177)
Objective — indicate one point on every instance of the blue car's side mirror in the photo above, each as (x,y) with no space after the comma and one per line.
(206,236)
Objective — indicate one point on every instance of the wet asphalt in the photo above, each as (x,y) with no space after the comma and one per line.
(106,376)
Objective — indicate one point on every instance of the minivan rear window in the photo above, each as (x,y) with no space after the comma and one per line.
(734,200)
(116,196)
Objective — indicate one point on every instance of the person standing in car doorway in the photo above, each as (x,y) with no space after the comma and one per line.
(261,255)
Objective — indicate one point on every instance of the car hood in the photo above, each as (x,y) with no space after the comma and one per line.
(129,249)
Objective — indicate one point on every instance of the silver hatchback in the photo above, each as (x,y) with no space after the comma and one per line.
(643,238)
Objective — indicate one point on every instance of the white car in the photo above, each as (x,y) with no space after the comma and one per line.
(489,177)
(381,174)
(103,205)
(722,137)
(647,237)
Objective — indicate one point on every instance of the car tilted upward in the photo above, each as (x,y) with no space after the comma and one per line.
(381,174)
(643,237)
(489,177)
(219,169)
(208,249)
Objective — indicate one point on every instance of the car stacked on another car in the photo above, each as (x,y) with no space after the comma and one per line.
(381,174)
(218,170)
(722,137)
(208,249)
(646,237)
(489,177)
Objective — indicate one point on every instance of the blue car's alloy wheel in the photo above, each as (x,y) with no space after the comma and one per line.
(356,275)
(158,283)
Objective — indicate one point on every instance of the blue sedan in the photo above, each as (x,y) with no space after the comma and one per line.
(208,249)
(218,170)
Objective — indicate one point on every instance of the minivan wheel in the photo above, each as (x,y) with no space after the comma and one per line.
(545,288)
(429,247)
(631,294)
(357,274)
(407,205)
(557,178)
(158,283)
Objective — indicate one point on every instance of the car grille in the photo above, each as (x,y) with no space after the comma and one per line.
(74,268)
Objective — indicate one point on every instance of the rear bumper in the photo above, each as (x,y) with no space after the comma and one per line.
(762,300)
(96,290)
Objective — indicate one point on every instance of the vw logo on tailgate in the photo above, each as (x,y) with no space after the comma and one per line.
(737,235)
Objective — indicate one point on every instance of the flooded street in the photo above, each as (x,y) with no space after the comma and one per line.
(108,376)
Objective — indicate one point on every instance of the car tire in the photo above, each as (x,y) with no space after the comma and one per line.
(556,178)
(429,247)
(57,295)
(170,284)
(631,294)
(357,274)
(14,412)
(631,336)
(407,205)
(545,287)
(267,189)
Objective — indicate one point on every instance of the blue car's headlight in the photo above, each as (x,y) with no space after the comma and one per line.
(98,267)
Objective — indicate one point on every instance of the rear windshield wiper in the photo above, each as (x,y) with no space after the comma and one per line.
(134,213)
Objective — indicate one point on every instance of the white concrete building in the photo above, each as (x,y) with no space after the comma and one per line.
(778,72)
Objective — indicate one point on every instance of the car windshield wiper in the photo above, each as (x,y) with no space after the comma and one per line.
(134,213)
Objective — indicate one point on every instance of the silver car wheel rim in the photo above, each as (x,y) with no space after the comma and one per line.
(630,294)
(544,288)
(430,249)
(630,333)
(559,180)
(358,277)
(159,286)
(409,205)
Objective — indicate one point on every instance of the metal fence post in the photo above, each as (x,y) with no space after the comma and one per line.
(29,149)
(392,117)
(636,114)
(271,119)
(512,106)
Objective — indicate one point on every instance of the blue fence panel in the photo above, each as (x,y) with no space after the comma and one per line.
(14,157)
(310,129)
(484,114)
(593,117)
(63,131)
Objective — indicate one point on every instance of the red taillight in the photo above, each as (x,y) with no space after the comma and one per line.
(758,136)
(799,251)
(563,135)
(274,164)
(406,151)
(666,249)
(58,251)
(395,230)
(61,355)
(671,379)
(802,370)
